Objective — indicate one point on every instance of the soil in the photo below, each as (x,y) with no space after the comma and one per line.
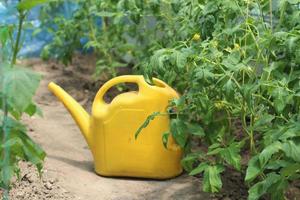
(32,186)
(68,170)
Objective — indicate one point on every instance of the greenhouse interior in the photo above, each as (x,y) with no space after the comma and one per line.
(150,99)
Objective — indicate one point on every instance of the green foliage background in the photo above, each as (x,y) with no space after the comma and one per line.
(236,65)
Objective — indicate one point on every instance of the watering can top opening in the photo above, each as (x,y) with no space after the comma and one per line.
(144,88)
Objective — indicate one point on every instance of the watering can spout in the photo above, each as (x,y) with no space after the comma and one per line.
(81,117)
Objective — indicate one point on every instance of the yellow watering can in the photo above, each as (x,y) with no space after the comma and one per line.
(110,130)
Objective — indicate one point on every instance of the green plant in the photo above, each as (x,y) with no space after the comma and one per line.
(236,66)
(17,87)
(239,83)
(88,22)
(66,32)
(121,33)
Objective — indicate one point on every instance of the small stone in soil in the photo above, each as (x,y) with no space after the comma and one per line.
(51,181)
(48,196)
(20,194)
(28,177)
(48,185)
(46,192)
(54,66)
(37,192)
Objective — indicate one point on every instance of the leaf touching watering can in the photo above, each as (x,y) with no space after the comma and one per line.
(110,129)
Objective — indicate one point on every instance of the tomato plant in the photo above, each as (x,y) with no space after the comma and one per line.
(89,22)
(17,87)
(118,32)
(239,83)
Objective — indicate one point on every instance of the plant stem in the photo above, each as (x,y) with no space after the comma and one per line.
(271,15)
(261,14)
(17,44)
(282,12)
(247,19)
(252,142)
(6,152)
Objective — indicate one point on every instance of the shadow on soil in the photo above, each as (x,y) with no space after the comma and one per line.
(84,165)
(183,189)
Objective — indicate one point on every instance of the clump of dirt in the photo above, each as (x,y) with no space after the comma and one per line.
(32,186)
(234,187)
(293,192)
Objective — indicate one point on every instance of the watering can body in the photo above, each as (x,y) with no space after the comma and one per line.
(110,130)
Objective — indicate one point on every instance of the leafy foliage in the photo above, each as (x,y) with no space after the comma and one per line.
(17,88)
(91,22)
(29,4)
(236,64)
(15,143)
(242,70)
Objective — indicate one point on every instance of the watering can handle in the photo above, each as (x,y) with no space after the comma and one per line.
(139,80)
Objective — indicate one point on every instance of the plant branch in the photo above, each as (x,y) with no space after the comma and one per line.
(16,48)
(6,152)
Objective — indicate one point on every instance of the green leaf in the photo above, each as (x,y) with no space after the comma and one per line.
(290,132)
(279,104)
(105,14)
(179,132)
(277,190)
(21,145)
(292,43)
(12,124)
(290,169)
(203,73)
(247,90)
(292,149)
(33,109)
(232,155)
(281,98)
(19,86)
(116,64)
(212,180)
(195,129)
(200,168)
(4,35)
(34,153)
(6,173)
(261,188)
(214,146)
(165,138)
(262,122)
(268,151)
(276,164)
(146,123)
(229,89)
(232,60)
(188,161)
(29,4)
(293,1)
(253,169)
(214,151)
(179,59)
